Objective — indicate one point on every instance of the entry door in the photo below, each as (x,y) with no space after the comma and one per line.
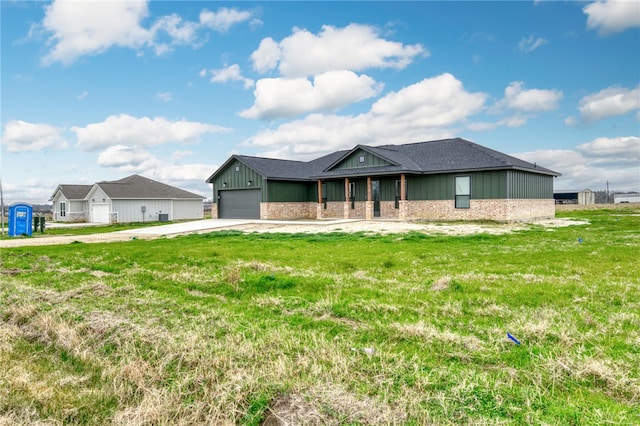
(375,189)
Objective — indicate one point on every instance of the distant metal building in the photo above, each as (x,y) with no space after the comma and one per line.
(630,197)
(586,196)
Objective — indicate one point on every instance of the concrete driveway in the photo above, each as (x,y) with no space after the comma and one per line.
(187,227)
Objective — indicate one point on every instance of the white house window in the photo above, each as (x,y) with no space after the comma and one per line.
(237,168)
(361,159)
(63,208)
(463,192)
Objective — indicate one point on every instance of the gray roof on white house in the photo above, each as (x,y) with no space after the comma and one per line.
(136,186)
(72,192)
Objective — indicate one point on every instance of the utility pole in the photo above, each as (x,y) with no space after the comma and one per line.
(607,192)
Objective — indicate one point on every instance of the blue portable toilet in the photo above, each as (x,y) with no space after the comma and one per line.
(20,218)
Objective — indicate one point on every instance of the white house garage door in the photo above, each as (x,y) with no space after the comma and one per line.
(239,204)
(100,213)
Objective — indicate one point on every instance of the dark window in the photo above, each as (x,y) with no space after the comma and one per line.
(324,195)
(398,191)
(63,208)
(463,192)
(352,194)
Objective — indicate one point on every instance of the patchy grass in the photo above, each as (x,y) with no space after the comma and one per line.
(233,328)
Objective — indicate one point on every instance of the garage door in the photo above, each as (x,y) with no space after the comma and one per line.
(100,213)
(239,204)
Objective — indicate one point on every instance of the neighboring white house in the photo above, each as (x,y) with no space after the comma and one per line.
(69,203)
(632,197)
(132,199)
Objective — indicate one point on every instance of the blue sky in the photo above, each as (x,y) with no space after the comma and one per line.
(100,90)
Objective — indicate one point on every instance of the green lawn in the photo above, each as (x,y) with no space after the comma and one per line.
(234,328)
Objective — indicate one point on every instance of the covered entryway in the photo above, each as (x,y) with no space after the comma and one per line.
(100,213)
(239,204)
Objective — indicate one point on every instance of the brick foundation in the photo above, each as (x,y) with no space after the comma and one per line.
(288,211)
(498,210)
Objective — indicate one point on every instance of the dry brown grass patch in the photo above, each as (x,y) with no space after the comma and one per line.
(330,404)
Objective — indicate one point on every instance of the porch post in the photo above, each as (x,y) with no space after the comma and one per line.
(345,211)
(402,213)
(369,202)
(319,206)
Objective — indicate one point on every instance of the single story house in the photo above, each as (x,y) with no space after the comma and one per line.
(451,179)
(585,196)
(131,199)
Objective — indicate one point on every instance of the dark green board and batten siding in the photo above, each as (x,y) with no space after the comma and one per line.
(238,179)
(529,185)
(496,184)
(486,185)
(370,160)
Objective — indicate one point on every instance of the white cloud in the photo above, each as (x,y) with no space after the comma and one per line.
(224,18)
(179,32)
(122,155)
(433,102)
(423,111)
(531,43)
(230,73)
(354,47)
(164,96)
(20,136)
(79,28)
(127,130)
(625,147)
(287,97)
(594,163)
(609,102)
(267,55)
(612,16)
(82,95)
(532,100)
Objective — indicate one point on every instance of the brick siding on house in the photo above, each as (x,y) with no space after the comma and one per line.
(288,211)
(498,210)
(335,209)
(388,210)
(359,210)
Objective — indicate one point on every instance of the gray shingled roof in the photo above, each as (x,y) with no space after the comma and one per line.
(73,192)
(273,168)
(441,156)
(136,186)
(458,154)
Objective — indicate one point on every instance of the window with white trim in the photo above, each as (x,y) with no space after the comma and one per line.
(463,192)
(63,208)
